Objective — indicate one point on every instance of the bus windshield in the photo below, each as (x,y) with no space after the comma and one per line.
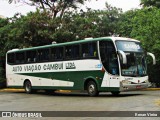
(136,61)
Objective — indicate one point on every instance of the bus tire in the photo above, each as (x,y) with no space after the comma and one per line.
(28,87)
(92,89)
(115,93)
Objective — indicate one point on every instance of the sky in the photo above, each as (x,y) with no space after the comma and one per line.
(8,10)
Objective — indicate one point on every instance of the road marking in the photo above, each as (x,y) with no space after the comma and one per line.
(151,89)
(22,90)
(157,102)
(66,91)
(11,90)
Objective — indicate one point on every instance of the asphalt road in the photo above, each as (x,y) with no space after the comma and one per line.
(17,100)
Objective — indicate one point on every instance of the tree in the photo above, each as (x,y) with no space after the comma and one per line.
(111,19)
(93,23)
(4,28)
(146,27)
(55,7)
(125,24)
(148,3)
(35,29)
(39,28)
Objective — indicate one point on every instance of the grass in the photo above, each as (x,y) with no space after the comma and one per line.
(157,102)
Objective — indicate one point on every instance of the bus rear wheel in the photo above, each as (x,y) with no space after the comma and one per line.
(28,87)
(92,89)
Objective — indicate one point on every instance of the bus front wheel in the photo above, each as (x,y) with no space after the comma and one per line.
(28,87)
(92,89)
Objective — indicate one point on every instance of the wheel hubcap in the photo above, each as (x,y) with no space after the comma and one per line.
(28,87)
(91,88)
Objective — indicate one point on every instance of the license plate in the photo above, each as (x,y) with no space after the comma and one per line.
(138,86)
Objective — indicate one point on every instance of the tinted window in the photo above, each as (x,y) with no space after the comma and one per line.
(31,56)
(68,52)
(43,55)
(89,50)
(75,51)
(57,53)
(11,58)
(72,52)
(20,57)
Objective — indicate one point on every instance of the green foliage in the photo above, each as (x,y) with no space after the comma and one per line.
(93,23)
(148,3)
(4,29)
(35,29)
(146,28)
(126,23)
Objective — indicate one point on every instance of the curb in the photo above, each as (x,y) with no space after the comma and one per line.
(22,90)
(66,91)
(151,89)
(11,90)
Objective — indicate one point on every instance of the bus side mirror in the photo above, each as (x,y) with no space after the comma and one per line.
(153,57)
(122,57)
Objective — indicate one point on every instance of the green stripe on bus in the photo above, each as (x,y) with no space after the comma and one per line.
(78,77)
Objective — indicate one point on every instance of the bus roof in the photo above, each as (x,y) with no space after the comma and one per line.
(74,42)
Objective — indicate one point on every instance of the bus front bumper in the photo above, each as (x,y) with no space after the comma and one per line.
(130,87)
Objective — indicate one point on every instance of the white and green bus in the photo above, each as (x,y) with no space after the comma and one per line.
(106,64)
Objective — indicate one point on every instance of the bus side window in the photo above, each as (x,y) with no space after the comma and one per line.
(11,58)
(57,53)
(89,50)
(75,51)
(68,52)
(72,52)
(53,54)
(31,56)
(93,49)
(43,55)
(20,57)
(85,50)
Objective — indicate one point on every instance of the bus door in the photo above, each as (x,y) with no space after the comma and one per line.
(109,61)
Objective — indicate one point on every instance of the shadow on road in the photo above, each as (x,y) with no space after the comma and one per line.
(80,94)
